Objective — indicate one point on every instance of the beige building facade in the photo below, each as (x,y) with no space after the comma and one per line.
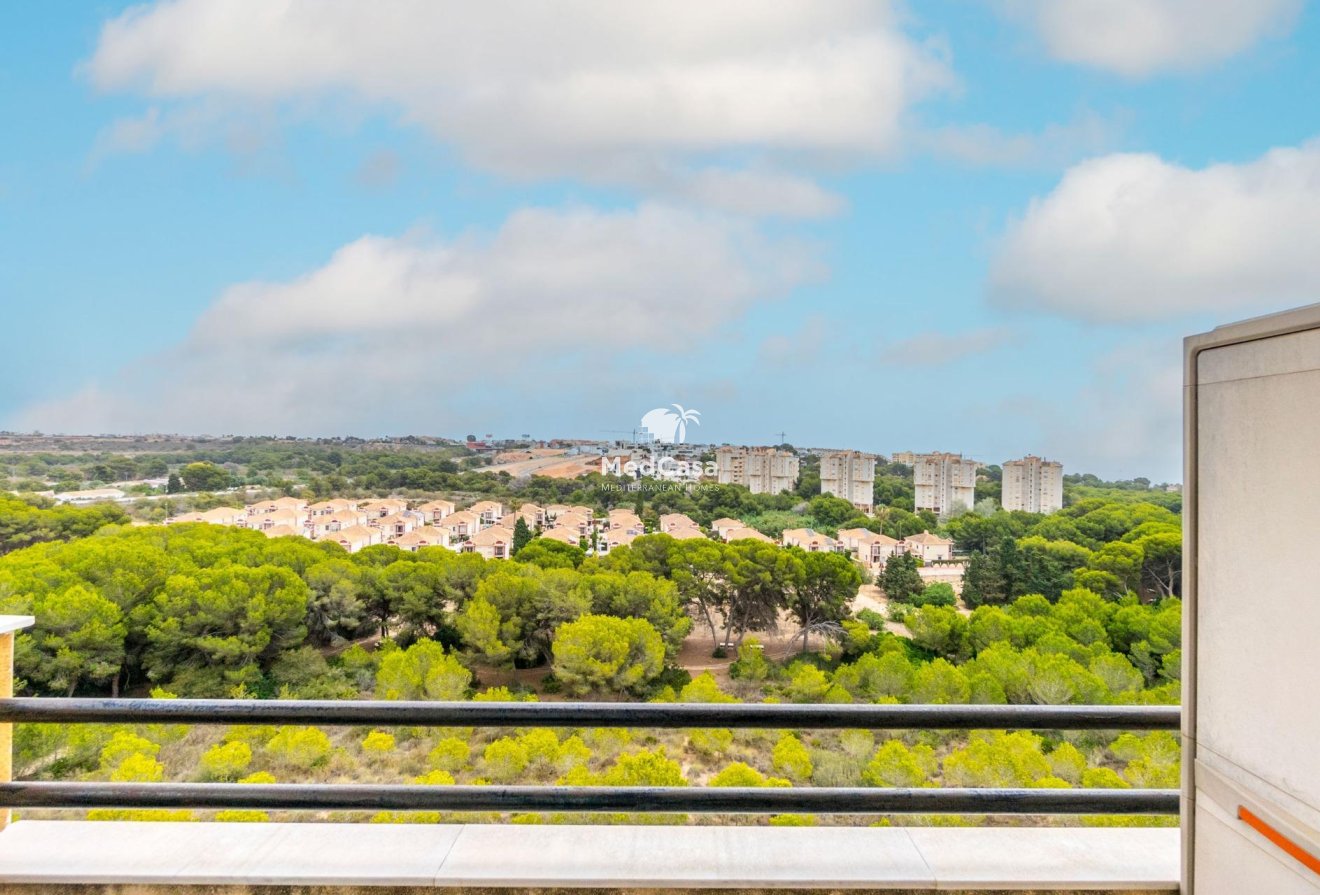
(761,470)
(1033,485)
(945,483)
(850,475)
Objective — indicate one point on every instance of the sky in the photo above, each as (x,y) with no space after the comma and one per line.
(974,227)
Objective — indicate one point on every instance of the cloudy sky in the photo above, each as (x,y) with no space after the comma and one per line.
(978,227)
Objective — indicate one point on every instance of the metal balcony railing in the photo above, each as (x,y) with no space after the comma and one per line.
(306,796)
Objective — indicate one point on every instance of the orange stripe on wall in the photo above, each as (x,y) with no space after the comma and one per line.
(1294,850)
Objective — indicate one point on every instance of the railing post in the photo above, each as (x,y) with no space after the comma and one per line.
(10,625)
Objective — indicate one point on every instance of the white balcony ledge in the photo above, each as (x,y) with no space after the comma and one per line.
(143,856)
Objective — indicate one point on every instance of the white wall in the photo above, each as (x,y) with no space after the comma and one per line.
(1252,633)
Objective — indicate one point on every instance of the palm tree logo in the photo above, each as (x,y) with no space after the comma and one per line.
(668,427)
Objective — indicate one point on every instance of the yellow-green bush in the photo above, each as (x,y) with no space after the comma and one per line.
(299,747)
(226,761)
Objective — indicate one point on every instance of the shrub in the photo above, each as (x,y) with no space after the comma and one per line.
(123,744)
(435,778)
(378,741)
(450,754)
(226,761)
(505,759)
(740,774)
(792,759)
(299,747)
(138,768)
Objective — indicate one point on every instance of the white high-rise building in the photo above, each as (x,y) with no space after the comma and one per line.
(850,475)
(945,483)
(762,470)
(1033,484)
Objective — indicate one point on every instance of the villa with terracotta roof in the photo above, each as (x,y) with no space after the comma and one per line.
(743,533)
(868,547)
(398,524)
(292,504)
(562,535)
(686,532)
(931,548)
(488,511)
(225,516)
(809,540)
(574,522)
(720,526)
(281,531)
(268,521)
(330,507)
(621,517)
(356,537)
(379,509)
(426,536)
(435,510)
(493,543)
(532,514)
(462,524)
(670,521)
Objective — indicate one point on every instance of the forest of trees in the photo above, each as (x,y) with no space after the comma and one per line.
(1077,607)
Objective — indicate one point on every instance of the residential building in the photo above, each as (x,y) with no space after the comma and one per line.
(743,533)
(623,518)
(671,521)
(426,536)
(720,526)
(532,514)
(399,524)
(379,509)
(488,511)
(563,536)
(809,540)
(267,521)
(435,510)
(685,532)
(850,475)
(292,504)
(870,548)
(356,537)
(945,483)
(762,470)
(225,516)
(495,542)
(330,507)
(929,547)
(281,531)
(907,458)
(575,522)
(1033,485)
(614,537)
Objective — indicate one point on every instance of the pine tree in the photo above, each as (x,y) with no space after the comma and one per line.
(521,535)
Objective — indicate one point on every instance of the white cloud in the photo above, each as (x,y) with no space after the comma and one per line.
(580,87)
(936,348)
(1051,147)
(416,333)
(1139,37)
(1131,237)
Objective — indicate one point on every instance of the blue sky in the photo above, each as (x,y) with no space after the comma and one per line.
(977,227)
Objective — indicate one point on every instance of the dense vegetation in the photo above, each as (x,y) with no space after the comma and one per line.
(1077,607)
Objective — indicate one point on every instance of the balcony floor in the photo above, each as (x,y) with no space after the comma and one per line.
(144,857)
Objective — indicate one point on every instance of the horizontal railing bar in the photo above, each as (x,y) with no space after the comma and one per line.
(760,800)
(588,714)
